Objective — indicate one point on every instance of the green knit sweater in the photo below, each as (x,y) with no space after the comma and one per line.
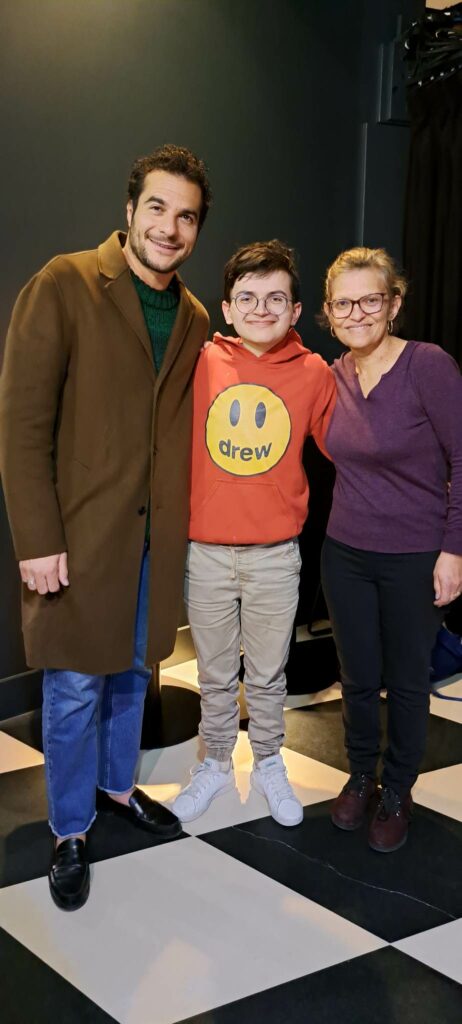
(160,309)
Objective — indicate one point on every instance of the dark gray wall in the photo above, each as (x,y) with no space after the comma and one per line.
(273,94)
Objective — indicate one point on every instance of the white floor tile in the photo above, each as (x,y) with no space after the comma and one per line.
(322,626)
(163,773)
(448,708)
(441,790)
(167,765)
(439,948)
(184,674)
(302,700)
(177,930)
(15,755)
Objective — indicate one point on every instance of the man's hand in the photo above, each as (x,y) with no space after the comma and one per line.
(45,575)
(447,578)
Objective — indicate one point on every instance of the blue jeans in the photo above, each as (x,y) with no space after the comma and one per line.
(92,731)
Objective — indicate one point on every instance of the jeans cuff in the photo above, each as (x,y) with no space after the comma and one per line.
(76,832)
(116,792)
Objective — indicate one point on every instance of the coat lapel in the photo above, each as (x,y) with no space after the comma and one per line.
(123,294)
(120,288)
(180,328)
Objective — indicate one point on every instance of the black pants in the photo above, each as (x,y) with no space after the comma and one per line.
(384,623)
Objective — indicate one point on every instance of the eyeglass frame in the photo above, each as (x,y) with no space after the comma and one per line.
(357,302)
(258,300)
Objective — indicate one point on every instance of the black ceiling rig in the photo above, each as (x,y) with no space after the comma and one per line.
(433,46)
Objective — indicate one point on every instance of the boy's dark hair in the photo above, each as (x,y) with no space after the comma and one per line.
(174,160)
(262,258)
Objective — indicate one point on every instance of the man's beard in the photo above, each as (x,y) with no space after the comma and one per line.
(139,249)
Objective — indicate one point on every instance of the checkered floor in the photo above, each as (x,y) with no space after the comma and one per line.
(239,920)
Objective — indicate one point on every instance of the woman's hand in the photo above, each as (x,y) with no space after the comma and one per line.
(447,578)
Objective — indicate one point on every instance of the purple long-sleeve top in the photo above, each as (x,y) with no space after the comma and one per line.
(395,453)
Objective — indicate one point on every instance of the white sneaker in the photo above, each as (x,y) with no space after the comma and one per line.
(208,780)
(269,777)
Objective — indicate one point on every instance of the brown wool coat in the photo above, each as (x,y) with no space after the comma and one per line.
(88,432)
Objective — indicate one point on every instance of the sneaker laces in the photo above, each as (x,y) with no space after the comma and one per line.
(200,777)
(277,781)
(390,803)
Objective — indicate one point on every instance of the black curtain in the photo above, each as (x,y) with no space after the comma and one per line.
(433,215)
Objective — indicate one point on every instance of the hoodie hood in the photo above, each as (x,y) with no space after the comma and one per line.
(291,347)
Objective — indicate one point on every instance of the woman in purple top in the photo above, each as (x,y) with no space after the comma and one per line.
(392,558)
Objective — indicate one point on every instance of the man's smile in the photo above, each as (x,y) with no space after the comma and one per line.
(166,246)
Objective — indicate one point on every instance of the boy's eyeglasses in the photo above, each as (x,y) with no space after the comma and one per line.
(275,303)
(341,308)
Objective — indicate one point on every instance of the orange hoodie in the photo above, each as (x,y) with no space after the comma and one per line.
(252,415)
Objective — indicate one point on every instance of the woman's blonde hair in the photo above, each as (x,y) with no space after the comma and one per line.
(361,258)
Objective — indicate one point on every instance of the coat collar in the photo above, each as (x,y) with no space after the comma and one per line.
(113,265)
(111,260)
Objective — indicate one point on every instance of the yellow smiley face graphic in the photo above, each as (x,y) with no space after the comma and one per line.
(247,430)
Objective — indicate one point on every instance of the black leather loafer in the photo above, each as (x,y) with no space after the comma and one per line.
(69,874)
(144,812)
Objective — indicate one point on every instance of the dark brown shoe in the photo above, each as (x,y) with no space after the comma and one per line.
(350,808)
(389,826)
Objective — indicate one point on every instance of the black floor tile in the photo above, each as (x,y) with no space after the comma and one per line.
(20,693)
(391,895)
(312,665)
(385,987)
(317,731)
(25,838)
(444,744)
(26,728)
(32,993)
(176,718)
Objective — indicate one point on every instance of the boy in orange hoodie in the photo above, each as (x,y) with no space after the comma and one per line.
(256,399)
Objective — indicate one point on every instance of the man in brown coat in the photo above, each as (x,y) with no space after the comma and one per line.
(95,422)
